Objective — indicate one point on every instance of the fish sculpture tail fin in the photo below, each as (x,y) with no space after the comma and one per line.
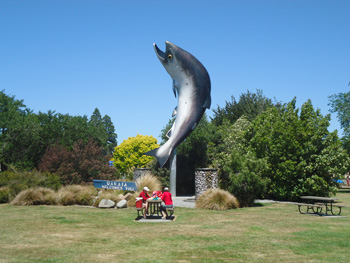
(161,156)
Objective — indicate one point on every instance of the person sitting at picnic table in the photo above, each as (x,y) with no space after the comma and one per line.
(144,194)
(168,202)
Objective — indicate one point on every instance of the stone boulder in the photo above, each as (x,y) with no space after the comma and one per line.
(122,204)
(106,203)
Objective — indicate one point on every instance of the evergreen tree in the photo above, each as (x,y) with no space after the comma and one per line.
(250,105)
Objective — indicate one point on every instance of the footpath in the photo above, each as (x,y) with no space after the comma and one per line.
(184,201)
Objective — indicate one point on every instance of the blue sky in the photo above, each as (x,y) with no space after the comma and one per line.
(74,56)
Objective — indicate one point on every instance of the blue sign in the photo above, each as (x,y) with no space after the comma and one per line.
(110,163)
(116,185)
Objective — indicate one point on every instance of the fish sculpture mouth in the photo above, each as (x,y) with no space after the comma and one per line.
(160,53)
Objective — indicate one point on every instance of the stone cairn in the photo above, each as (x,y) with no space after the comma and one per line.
(140,172)
(205,178)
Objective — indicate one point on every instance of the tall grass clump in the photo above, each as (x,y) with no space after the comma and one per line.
(76,195)
(217,199)
(149,180)
(38,196)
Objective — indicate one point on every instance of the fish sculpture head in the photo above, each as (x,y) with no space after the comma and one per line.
(181,65)
(171,59)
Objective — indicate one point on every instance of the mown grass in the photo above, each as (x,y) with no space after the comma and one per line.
(269,233)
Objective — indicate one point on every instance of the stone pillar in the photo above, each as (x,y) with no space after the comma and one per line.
(140,172)
(205,179)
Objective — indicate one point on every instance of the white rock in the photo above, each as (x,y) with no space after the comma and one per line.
(122,204)
(106,203)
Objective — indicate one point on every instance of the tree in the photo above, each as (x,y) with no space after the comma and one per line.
(303,156)
(250,105)
(26,136)
(130,153)
(340,104)
(19,133)
(231,138)
(240,171)
(111,141)
(12,113)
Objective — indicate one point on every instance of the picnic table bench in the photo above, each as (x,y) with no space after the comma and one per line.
(316,204)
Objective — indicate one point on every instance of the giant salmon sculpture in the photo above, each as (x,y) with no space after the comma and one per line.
(191,83)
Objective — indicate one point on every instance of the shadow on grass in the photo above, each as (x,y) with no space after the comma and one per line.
(154,218)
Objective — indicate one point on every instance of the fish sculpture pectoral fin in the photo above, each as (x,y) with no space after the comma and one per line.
(174,88)
(168,134)
(194,126)
(174,112)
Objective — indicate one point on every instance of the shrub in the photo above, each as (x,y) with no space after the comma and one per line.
(217,199)
(38,196)
(18,181)
(4,194)
(247,186)
(130,153)
(245,175)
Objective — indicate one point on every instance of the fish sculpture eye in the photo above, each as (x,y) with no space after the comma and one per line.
(170,56)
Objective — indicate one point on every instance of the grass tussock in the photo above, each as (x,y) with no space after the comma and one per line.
(217,199)
(149,180)
(132,199)
(76,195)
(38,196)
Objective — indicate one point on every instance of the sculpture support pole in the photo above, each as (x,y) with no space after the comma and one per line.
(173,173)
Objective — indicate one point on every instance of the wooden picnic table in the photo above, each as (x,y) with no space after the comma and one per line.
(317,203)
(153,206)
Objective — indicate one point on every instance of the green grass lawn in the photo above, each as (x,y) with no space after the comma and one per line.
(270,233)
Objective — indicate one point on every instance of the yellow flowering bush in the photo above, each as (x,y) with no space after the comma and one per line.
(129,154)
